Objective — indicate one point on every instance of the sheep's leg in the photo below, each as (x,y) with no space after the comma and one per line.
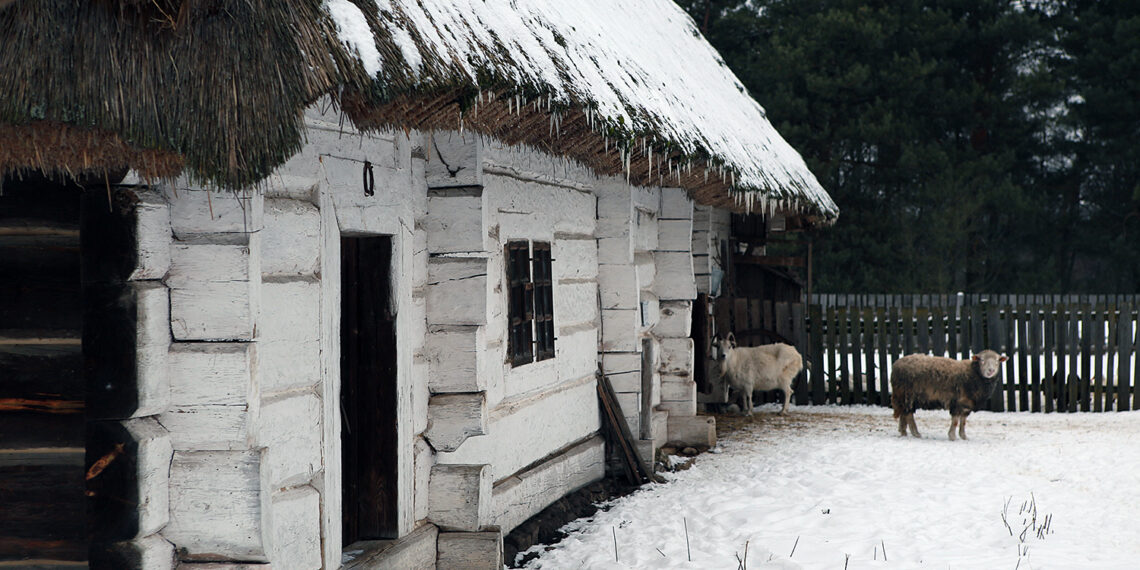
(902,425)
(787,399)
(953,426)
(962,426)
(748,402)
(913,426)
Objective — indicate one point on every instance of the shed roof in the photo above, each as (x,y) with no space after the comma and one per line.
(216,87)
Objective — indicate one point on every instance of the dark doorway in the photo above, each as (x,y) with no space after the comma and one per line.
(368,390)
(42,392)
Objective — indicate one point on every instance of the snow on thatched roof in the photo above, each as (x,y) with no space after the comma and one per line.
(640,69)
(216,88)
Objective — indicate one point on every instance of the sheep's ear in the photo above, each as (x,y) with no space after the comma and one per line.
(1003,358)
(731,340)
(975,358)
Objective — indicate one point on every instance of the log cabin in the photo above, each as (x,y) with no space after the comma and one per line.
(322,284)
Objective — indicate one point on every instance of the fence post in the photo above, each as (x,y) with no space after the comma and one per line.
(815,316)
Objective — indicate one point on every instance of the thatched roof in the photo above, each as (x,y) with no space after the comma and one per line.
(218,86)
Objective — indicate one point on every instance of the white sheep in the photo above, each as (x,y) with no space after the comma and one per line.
(766,367)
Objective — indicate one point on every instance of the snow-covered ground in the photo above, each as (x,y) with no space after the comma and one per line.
(835,487)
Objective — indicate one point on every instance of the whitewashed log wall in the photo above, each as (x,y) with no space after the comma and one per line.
(710,226)
(520,423)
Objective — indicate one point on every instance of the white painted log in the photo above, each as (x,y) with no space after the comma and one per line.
(196,261)
(574,258)
(291,239)
(455,221)
(524,494)
(618,362)
(646,270)
(659,427)
(677,356)
(675,235)
(457,291)
(460,497)
(615,250)
(702,242)
(614,224)
(211,385)
(152,343)
(679,408)
(211,373)
(414,551)
(528,427)
(625,381)
(674,275)
(153,470)
(469,550)
(202,428)
(575,304)
(297,529)
(644,230)
(215,289)
(290,429)
(152,236)
(213,312)
(676,204)
(649,311)
(693,430)
(217,507)
(281,185)
(701,213)
(452,418)
(288,331)
(620,330)
(453,355)
(618,286)
(424,459)
(454,160)
(647,197)
(197,211)
(675,319)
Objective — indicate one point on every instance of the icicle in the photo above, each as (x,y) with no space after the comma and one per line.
(706,175)
(606,145)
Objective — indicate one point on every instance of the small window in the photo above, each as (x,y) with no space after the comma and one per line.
(530,312)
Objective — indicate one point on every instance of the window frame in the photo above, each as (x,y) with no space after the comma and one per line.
(530,301)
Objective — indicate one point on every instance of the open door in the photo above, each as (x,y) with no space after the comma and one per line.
(368,390)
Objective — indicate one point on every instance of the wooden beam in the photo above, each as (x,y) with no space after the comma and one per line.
(776,260)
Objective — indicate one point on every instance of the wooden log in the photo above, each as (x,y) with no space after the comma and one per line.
(465,550)
(460,497)
(43,510)
(452,418)
(457,291)
(218,510)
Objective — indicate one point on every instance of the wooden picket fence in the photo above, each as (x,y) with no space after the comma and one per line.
(1066,353)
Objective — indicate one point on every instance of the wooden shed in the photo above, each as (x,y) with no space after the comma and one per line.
(327,284)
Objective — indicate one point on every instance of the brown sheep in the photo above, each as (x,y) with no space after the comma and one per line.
(936,382)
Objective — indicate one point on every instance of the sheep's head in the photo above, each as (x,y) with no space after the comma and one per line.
(724,345)
(988,363)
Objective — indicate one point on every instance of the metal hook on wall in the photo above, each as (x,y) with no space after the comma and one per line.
(369,179)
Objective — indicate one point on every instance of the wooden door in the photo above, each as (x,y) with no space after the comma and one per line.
(368,390)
